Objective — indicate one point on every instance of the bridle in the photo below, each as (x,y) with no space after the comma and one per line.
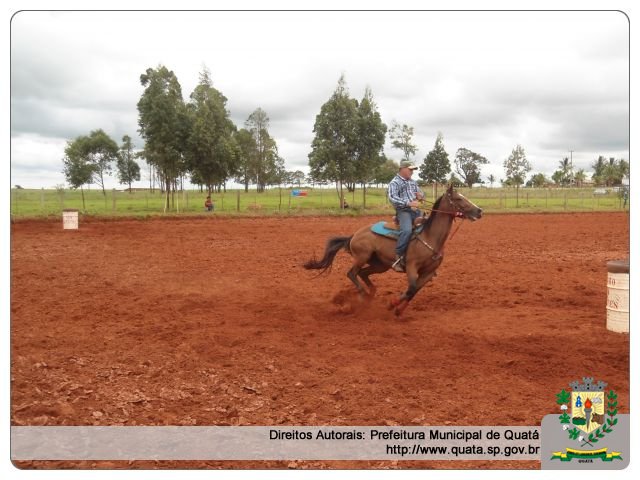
(457,213)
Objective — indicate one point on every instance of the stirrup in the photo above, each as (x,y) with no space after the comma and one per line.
(399,265)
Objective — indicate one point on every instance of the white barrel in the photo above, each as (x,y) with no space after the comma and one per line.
(70,219)
(618,296)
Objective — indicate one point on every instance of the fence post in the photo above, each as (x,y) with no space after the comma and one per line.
(364,196)
(238,201)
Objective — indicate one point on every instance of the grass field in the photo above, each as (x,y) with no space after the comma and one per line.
(42,203)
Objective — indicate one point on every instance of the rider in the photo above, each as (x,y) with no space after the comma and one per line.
(404,195)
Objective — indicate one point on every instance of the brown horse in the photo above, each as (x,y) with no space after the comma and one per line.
(373,253)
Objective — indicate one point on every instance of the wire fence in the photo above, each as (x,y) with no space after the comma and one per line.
(43,203)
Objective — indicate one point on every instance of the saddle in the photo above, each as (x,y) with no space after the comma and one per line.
(392,229)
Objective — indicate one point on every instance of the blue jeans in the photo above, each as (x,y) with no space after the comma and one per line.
(405,216)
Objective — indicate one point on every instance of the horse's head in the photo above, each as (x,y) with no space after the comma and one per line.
(463,205)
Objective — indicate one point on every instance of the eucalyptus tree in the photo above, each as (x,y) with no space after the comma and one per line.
(334,147)
(164,125)
(370,137)
(401,136)
(245,158)
(264,160)
(128,168)
(211,148)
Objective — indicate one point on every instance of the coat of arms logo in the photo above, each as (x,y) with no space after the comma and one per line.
(588,415)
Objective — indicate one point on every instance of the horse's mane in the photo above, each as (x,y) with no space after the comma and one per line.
(432,215)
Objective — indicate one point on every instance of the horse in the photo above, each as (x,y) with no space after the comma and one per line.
(373,253)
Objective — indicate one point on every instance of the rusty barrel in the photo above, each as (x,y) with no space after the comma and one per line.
(618,296)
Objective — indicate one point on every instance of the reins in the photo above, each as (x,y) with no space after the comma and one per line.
(456,214)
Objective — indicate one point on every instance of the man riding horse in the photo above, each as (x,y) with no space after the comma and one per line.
(404,195)
(373,247)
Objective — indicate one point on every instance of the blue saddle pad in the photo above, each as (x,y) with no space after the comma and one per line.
(380,229)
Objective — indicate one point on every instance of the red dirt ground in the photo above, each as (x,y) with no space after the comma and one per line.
(213,321)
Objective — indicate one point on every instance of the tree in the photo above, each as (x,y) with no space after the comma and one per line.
(334,147)
(77,169)
(455,181)
(211,146)
(492,179)
(385,172)
(564,176)
(128,168)
(468,165)
(557,177)
(401,138)
(247,153)
(538,180)
(101,151)
(598,170)
(516,167)
(436,166)
(164,125)
(615,171)
(264,163)
(580,177)
(296,177)
(370,137)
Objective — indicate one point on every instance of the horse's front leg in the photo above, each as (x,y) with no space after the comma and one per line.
(416,282)
(401,303)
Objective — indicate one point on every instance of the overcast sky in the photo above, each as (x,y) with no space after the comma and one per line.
(550,81)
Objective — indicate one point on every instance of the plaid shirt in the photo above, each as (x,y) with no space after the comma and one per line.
(402,191)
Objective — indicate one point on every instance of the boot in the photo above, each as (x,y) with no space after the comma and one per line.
(398,265)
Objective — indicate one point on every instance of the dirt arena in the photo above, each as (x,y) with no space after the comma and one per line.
(213,321)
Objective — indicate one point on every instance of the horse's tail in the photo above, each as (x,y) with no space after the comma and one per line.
(334,245)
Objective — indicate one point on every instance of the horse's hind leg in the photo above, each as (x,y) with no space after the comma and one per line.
(375,266)
(353,276)
(359,260)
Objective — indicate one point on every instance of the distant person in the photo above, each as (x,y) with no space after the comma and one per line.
(404,195)
(208,204)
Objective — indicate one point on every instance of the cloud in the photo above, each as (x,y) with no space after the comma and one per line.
(551,81)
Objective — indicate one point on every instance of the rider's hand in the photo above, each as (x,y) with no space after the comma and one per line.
(414,204)
(419,196)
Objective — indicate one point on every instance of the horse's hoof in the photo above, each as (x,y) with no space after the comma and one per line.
(393,303)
